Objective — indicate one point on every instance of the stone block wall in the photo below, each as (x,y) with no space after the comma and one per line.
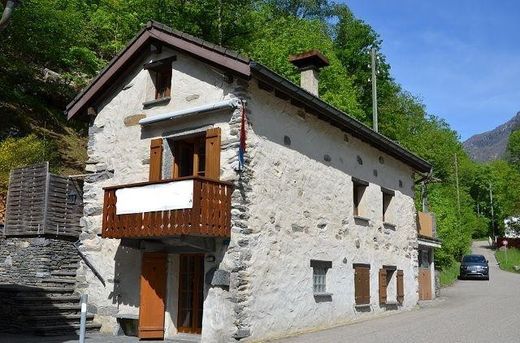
(29,260)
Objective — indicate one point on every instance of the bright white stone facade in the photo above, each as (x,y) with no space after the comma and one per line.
(293,203)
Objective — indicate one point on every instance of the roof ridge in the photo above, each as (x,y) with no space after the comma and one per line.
(199,41)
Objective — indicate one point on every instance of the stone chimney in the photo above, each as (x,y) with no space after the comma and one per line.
(309,64)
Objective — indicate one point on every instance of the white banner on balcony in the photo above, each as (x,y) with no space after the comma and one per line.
(159,197)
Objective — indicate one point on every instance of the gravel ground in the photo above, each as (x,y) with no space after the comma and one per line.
(469,311)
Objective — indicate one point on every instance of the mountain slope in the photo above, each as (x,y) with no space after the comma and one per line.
(491,145)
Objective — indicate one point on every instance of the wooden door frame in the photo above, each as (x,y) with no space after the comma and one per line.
(195,306)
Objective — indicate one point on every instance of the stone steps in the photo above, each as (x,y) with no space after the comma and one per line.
(64,273)
(61,280)
(40,296)
(58,330)
(62,318)
(44,299)
(51,307)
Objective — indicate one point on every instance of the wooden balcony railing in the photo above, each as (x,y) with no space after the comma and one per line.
(208,213)
(426,224)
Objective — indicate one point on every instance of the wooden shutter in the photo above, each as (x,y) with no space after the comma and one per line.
(400,287)
(213,153)
(156,152)
(362,285)
(382,286)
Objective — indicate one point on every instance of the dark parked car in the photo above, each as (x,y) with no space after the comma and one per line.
(474,266)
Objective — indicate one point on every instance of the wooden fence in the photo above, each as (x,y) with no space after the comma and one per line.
(39,202)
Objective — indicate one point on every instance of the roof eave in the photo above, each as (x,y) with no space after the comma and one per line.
(153,31)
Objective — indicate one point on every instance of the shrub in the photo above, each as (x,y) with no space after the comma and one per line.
(19,152)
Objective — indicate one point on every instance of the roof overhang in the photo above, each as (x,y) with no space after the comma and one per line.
(156,33)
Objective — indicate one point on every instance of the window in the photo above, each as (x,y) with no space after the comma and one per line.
(387,285)
(359,187)
(162,82)
(362,283)
(161,73)
(197,154)
(319,276)
(388,195)
(189,157)
(320,280)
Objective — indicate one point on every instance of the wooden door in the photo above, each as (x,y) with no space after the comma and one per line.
(425,284)
(191,293)
(152,296)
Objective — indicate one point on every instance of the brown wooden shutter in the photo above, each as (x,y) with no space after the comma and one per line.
(357,286)
(156,152)
(382,286)
(213,153)
(400,287)
(366,288)
(362,285)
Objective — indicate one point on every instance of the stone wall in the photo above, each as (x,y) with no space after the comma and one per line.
(301,208)
(29,260)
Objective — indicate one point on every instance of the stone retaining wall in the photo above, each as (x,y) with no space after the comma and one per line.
(29,260)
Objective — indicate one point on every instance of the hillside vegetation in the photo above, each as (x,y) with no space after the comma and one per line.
(53,47)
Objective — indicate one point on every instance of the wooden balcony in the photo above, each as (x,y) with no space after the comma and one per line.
(425,224)
(193,206)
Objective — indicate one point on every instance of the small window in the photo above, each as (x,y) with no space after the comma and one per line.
(320,279)
(358,192)
(362,283)
(163,81)
(388,195)
(161,73)
(319,276)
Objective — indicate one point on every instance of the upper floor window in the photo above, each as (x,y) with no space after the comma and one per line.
(161,73)
(162,82)
(197,154)
(359,187)
(388,195)
(189,157)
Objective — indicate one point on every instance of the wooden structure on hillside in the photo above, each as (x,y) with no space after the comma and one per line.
(39,203)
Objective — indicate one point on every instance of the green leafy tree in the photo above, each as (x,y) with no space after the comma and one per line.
(513,149)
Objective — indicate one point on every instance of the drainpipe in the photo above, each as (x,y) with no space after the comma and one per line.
(9,7)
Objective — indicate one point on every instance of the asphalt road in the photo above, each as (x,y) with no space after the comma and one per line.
(469,311)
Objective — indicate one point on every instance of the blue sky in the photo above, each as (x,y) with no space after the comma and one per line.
(461,57)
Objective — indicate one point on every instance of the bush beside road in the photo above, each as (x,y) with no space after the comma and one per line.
(510,260)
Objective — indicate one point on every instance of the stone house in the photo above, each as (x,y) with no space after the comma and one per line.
(227,202)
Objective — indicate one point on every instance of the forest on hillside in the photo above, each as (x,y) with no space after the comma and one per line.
(52,48)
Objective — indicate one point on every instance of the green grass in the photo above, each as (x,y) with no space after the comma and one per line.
(449,275)
(513,259)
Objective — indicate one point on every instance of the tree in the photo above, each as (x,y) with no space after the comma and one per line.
(513,149)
